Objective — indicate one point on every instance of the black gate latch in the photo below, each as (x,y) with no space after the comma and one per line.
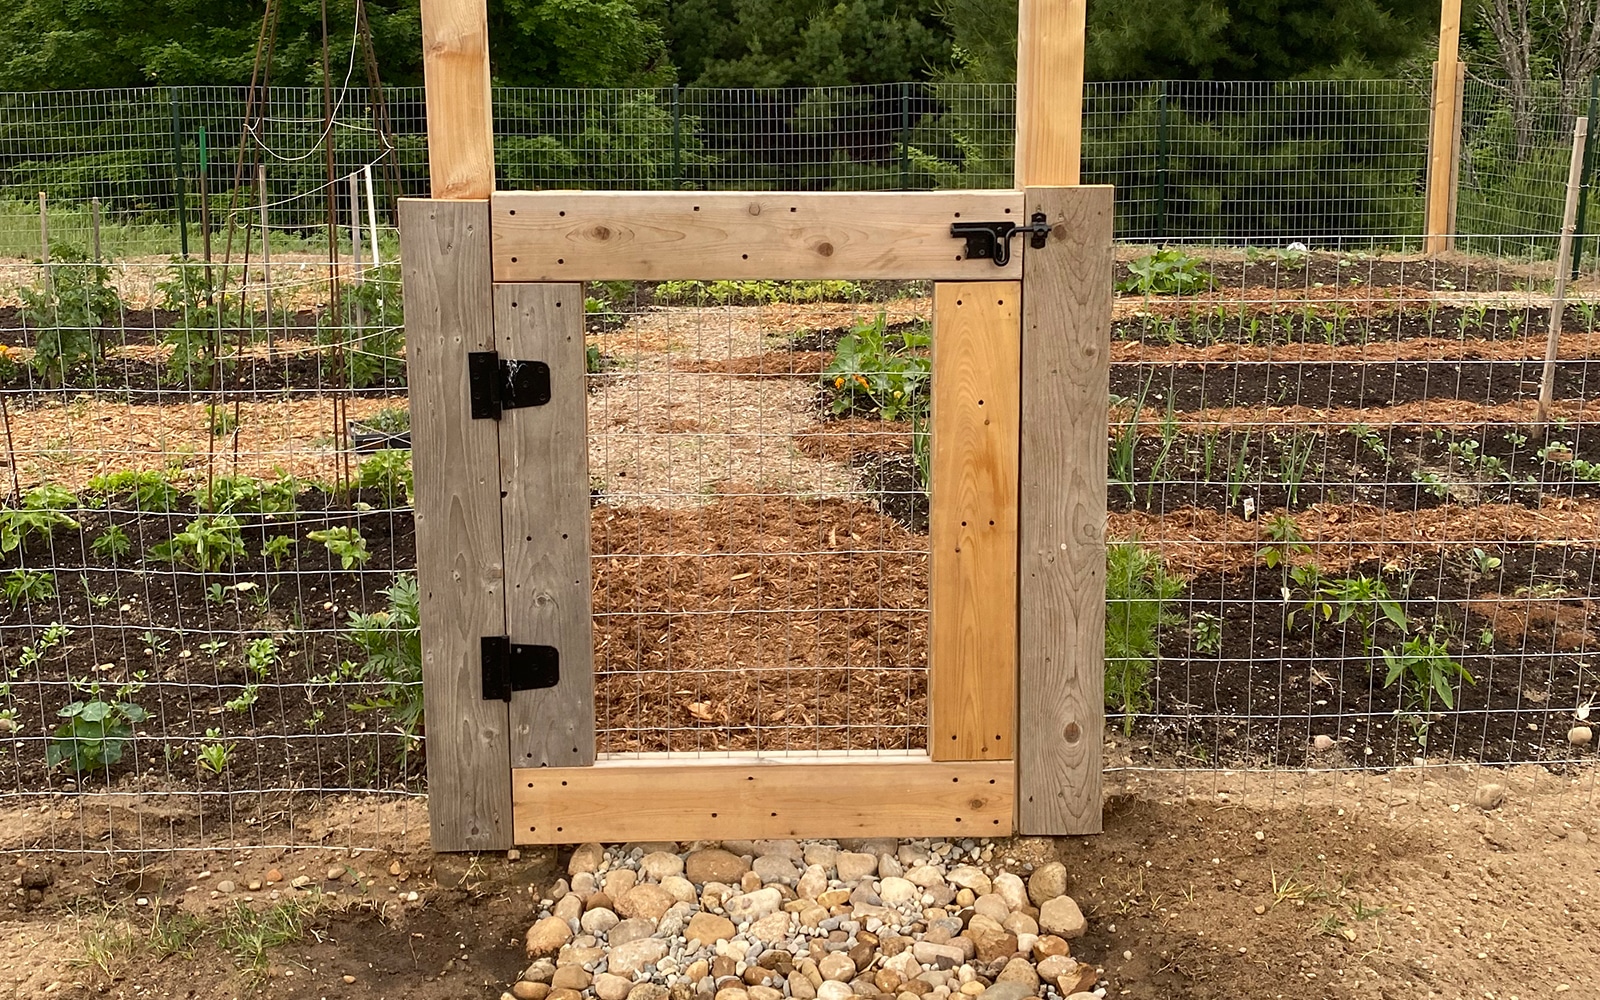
(498,385)
(513,666)
(993,239)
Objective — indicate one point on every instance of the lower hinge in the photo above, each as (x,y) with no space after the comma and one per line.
(498,385)
(513,666)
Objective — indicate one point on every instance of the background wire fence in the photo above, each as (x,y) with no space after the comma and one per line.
(1224,161)
(1324,464)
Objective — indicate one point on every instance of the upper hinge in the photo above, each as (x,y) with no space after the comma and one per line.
(992,240)
(513,666)
(498,385)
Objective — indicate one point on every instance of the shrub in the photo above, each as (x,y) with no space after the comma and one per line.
(1137,592)
(94,734)
(40,515)
(1168,271)
(869,372)
(152,491)
(67,310)
(206,543)
(345,542)
(392,643)
(388,470)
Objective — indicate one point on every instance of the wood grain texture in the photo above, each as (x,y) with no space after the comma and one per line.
(709,800)
(1443,128)
(1050,50)
(972,521)
(602,235)
(455,74)
(544,472)
(460,575)
(1066,325)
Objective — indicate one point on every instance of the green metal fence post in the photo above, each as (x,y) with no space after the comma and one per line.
(1161,163)
(905,136)
(1587,175)
(177,174)
(677,135)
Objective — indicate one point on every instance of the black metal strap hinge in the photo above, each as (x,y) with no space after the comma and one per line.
(513,666)
(992,240)
(498,385)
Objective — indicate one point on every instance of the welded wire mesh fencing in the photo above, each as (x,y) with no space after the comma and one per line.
(1224,161)
(1340,538)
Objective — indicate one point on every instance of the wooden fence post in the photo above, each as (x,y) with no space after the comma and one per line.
(1066,320)
(460,555)
(455,73)
(1050,39)
(1443,131)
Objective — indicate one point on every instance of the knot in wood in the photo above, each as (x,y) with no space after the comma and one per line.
(825,249)
(1072,733)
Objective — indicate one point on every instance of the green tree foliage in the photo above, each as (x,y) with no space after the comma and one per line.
(1210,40)
(65,44)
(806,43)
(577,43)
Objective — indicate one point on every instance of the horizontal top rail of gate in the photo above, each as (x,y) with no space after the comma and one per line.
(599,235)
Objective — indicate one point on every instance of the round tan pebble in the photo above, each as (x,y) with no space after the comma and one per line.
(733,993)
(571,977)
(564,994)
(973,988)
(335,873)
(1580,735)
(765,993)
(274,876)
(348,979)
(610,987)
(531,991)
(547,936)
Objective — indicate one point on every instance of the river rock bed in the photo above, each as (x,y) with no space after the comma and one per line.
(806,920)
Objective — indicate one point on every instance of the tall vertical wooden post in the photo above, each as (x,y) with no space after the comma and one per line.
(1050,40)
(1444,126)
(460,549)
(1066,320)
(455,73)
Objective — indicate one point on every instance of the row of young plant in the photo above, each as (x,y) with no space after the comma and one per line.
(886,374)
(1503,464)
(1335,324)
(72,314)
(99,723)
(102,720)
(1415,653)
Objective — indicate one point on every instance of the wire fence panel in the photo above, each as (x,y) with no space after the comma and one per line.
(1514,160)
(1223,161)
(1339,536)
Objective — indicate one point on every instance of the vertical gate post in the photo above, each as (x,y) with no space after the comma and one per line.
(1066,320)
(460,554)
(1442,129)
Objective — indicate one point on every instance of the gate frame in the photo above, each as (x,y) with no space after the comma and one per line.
(1017,512)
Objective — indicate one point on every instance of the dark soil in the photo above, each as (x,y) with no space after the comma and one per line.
(1191,387)
(139,380)
(151,623)
(1272,688)
(1338,323)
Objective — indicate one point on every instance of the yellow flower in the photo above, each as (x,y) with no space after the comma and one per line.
(864,383)
(838,383)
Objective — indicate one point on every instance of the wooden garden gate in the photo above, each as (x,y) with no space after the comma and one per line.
(496,357)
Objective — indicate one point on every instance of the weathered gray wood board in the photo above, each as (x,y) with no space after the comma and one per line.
(544,474)
(1066,324)
(460,571)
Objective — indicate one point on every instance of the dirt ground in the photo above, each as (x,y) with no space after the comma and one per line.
(1204,884)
